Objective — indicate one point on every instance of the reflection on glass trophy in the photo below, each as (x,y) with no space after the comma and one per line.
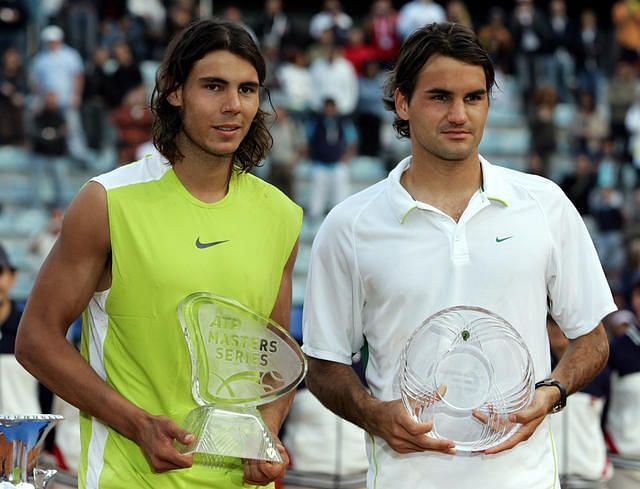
(21,439)
(466,370)
(239,361)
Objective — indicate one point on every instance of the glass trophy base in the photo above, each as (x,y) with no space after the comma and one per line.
(228,431)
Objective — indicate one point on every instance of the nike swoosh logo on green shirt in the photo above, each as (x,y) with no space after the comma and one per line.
(202,246)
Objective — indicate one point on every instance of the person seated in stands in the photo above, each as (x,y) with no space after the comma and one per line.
(18,389)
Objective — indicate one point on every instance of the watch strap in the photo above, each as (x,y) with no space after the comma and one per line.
(562,402)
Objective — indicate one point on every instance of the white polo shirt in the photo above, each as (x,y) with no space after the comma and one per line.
(382,263)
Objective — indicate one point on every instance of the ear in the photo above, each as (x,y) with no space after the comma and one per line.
(175,97)
(402,104)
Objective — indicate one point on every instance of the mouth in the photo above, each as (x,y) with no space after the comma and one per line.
(227,128)
(456,134)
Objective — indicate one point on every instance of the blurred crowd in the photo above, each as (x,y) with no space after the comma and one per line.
(75,79)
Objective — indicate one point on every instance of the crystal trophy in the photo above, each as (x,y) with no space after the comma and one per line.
(239,360)
(465,369)
(21,440)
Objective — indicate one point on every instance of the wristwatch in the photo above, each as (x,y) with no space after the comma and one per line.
(562,402)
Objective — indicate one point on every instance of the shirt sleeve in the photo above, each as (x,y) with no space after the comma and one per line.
(578,290)
(332,317)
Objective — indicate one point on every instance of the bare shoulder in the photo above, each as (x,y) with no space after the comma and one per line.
(76,267)
(86,222)
(80,256)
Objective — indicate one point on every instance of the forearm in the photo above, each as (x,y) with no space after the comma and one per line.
(583,359)
(59,366)
(338,387)
(275,412)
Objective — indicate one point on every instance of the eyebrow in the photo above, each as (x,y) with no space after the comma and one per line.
(442,91)
(222,81)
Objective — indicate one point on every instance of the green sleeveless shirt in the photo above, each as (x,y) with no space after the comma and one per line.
(166,244)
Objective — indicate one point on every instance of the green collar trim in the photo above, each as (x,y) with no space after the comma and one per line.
(498,199)
(406,214)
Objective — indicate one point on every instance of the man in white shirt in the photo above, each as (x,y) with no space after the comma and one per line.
(418,13)
(447,228)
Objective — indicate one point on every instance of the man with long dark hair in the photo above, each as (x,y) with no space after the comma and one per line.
(456,230)
(139,239)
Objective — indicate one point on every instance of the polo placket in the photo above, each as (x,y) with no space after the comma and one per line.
(460,246)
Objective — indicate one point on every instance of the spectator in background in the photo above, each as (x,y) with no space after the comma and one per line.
(58,68)
(496,39)
(370,110)
(542,125)
(623,416)
(579,185)
(589,46)
(49,146)
(418,13)
(331,18)
(289,146)
(18,389)
(621,96)
(608,214)
(13,92)
(381,29)
(577,433)
(457,12)
(332,142)
(625,15)
(132,121)
(535,165)
(98,79)
(295,82)
(612,170)
(333,77)
(14,19)
(632,123)
(234,14)
(632,239)
(589,127)
(274,27)
(561,72)
(81,25)
(126,76)
(356,51)
(531,39)
(179,15)
(42,241)
(150,17)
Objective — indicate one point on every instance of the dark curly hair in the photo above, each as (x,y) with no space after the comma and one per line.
(185,49)
(445,39)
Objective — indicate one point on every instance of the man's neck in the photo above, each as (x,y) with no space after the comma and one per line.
(206,177)
(446,185)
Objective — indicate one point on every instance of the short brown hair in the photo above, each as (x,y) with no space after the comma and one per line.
(445,39)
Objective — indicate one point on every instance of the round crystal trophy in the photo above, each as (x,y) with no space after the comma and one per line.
(239,361)
(21,439)
(465,369)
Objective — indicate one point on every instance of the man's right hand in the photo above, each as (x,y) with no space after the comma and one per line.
(156,437)
(391,422)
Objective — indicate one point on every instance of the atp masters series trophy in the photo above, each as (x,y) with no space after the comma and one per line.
(466,370)
(239,361)
(21,439)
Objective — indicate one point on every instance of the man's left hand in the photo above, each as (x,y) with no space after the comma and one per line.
(263,472)
(529,418)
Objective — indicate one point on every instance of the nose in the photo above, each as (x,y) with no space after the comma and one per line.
(457,112)
(232,102)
